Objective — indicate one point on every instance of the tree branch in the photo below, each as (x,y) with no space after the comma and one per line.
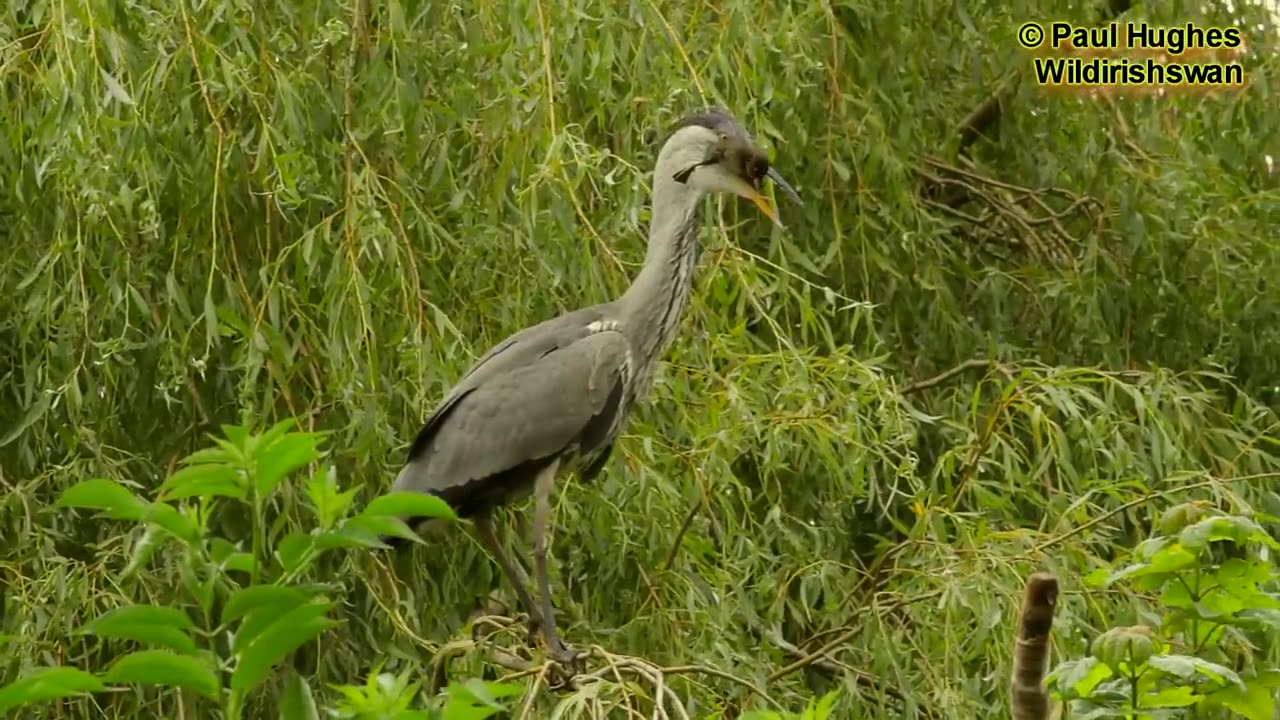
(967,365)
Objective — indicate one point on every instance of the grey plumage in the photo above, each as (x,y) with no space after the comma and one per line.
(553,397)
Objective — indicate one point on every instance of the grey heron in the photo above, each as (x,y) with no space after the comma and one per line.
(553,397)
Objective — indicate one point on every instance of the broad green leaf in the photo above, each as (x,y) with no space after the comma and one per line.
(1187,667)
(275,432)
(353,536)
(1078,678)
(165,668)
(249,599)
(45,684)
(291,551)
(284,456)
(203,481)
(173,521)
(822,706)
(1232,528)
(1169,697)
(1254,701)
(216,455)
(480,691)
(113,499)
(330,504)
(230,557)
(1266,617)
(145,623)
(237,436)
(1177,595)
(409,504)
(375,526)
(1171,558)
(289,631)
(297,702)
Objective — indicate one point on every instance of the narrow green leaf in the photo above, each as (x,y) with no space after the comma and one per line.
(114,88)
(165,668)
(34,413)
(211,331)
(409,504)
(113,499)
(291,630)
(143,551)
(45,684)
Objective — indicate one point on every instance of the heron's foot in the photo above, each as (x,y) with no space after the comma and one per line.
(568,660)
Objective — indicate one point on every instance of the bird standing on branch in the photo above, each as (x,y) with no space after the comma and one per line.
(553,397)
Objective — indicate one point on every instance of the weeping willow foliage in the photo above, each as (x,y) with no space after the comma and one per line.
(989,343)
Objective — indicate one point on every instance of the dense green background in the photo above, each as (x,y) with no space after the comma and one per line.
(232,211)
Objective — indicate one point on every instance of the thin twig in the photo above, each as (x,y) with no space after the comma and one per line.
(684,527)
(967,365)
(844,637)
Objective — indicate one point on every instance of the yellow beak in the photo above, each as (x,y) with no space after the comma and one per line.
(743,188)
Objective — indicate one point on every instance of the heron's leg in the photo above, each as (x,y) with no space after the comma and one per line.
(515,574)
(541,525)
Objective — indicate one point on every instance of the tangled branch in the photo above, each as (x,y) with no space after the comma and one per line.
(603,667)
(999,213)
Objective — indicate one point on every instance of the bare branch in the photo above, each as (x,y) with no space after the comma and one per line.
(966,366)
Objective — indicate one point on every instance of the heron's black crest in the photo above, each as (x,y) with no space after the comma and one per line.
(713,118)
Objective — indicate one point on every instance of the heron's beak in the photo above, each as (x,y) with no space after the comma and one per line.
(785,186)
(744,188)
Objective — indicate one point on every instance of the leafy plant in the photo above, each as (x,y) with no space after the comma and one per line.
(816,709)
(247,609)
(1215,590)
(390,697)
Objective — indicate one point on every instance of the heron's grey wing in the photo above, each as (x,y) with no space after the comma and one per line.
(513,351)
(514,413)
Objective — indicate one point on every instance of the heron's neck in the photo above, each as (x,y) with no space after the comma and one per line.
(656,300)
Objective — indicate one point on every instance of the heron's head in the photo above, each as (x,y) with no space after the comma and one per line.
(709,150)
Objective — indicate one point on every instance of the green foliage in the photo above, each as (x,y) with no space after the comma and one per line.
(1219,603)
(388,697)
(817,709)
(976,352)
(265,612)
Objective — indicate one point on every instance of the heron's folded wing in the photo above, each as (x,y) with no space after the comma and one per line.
(547,396)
